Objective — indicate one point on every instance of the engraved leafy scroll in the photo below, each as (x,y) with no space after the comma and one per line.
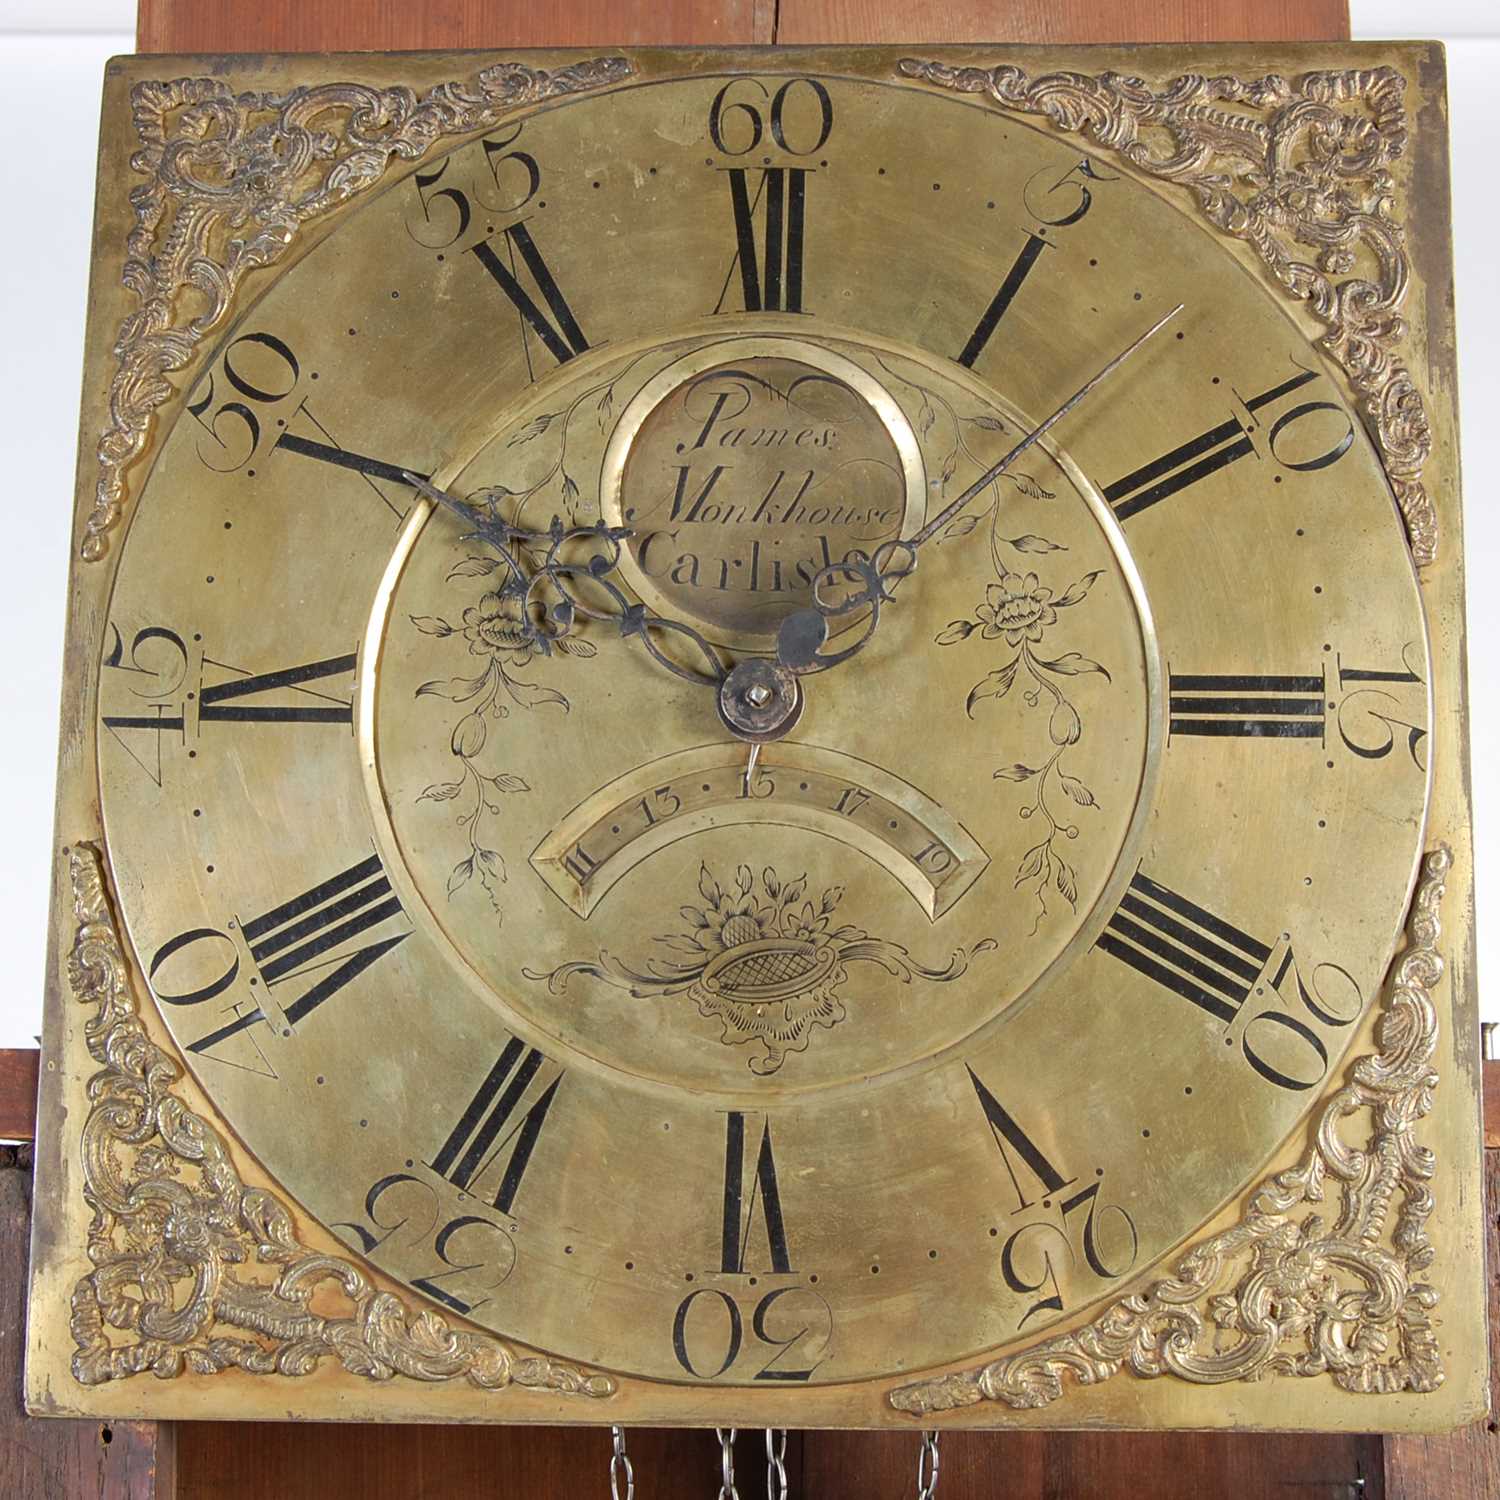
(1285,1292)
(1278,164)
(195,1271)
(231,178)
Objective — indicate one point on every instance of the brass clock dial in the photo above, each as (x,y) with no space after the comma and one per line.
(1003,971)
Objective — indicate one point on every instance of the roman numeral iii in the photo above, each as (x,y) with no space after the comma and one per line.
(1246,706)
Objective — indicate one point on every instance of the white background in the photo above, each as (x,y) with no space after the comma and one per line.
(54,50)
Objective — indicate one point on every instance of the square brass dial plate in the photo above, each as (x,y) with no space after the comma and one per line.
(1068,1020)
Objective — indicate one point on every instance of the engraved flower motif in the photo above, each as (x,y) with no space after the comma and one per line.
(496,626)
(763,960)
(728,916)
(1017,607)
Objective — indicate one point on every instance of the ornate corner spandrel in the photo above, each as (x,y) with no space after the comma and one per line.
(230,179)
(194,1271)
(1284,1291)
(1299,170)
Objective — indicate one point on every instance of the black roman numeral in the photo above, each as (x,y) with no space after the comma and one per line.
(770,275)
(1203,455)
(477,1140)
(739,1217)
(328,450)
(289,939)
(1000,302)
(563,337)
(156,723)
(293,942)
(226,702)
(1246,707)
(1184,948)
(1024,1158)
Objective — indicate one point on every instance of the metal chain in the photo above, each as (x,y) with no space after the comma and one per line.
(927,1467)
(776,1486)
(620,1466)
(727,1490)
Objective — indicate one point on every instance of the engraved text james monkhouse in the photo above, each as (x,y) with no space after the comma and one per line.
(749,478)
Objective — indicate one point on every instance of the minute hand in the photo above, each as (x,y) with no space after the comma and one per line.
(866,582)
(1036,434)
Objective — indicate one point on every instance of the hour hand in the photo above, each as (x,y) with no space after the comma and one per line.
(803,634)
(547,583)
(861,583)
(495,533)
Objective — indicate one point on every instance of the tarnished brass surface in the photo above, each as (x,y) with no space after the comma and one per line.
(1013,968)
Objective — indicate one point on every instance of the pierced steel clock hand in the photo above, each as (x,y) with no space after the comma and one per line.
(545,621)
(758,700)
(803,633)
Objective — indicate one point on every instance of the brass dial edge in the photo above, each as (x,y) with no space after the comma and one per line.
(177,1236)
(1291,166)
(1310,1298)
(255,153)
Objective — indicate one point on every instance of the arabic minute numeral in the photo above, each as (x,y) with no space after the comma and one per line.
(234,425)
(745,120)
(1368,695)
(1193,461)
(1215,966)
(302,945)
(402,1214)
(1056,203)
(514,178)
(157,668)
